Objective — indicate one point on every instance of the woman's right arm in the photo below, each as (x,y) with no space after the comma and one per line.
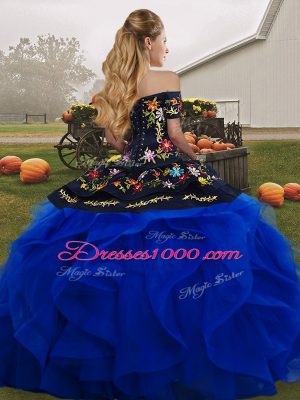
(173,120)
(177,137)
(119,144)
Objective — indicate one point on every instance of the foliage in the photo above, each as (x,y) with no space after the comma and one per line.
(41,77)
(83,114)
(193,107)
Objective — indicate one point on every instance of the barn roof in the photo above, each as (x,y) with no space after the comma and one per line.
(262,32)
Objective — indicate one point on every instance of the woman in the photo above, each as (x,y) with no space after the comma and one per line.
(149,277)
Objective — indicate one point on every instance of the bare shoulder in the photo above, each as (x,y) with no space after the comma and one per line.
(172,81)
(159,81)
(169,77)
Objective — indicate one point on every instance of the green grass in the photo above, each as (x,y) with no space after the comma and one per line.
(274,161)
(52,129)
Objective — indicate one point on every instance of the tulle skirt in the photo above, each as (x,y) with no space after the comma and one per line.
(198,303)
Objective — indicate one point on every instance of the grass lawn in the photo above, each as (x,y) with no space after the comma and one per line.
(274,161)
(53,129)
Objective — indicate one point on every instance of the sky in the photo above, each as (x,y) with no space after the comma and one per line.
(194,28)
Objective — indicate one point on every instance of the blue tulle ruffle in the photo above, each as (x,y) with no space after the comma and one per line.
(166,327)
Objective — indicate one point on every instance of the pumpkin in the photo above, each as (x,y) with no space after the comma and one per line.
(34,170)
(218,146)
(10,165)
(211,114)
(230,145)
(190,139)
(204,114)
(205,151)
(191,133)
(194,147)
(204,144)
(271,193)
(67,116)
(292,191)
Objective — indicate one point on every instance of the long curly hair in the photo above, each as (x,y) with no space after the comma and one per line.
(124,68)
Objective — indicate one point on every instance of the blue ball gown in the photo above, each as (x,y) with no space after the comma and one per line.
(149,277)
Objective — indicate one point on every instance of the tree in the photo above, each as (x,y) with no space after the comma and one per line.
(41,77)
(97,86)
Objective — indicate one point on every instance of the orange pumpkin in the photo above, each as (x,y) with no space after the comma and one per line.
(194,147)
(10,165)
(230,145)
(292,191)
(205,151)
(204,114)
(188,134)
(271,193)
(204,144)
(190,139)
(211,114)
(191,133)
(66,116)
(218,146)
(34,170)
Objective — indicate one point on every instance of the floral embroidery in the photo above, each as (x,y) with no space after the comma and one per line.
(160,114)
(192,196)
(173,106)
(150,144)
(176,171)
(152,105)
(138,186)
(157,148)
(126,156)
(141,176)
(194,171)
(93,175)
(149,155)
(154,115)
(103,203)
(169,177)
(169,184)
(166,145)
(142,203)
(69,199)
(114,171)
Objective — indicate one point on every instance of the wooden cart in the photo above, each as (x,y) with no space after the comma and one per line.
(231,165)
(79,146)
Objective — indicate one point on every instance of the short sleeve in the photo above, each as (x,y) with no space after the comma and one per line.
(173,104)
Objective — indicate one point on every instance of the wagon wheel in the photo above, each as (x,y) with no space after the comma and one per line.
(91,145)
(67,150)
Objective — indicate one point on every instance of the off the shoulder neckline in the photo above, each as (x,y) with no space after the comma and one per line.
(156,94)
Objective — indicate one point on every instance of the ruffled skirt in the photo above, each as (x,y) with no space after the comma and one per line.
(198,303)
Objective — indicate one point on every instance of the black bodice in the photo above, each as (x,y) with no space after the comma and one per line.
(151,173)
(150,144)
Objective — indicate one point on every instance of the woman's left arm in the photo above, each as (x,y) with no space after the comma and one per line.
(119,144)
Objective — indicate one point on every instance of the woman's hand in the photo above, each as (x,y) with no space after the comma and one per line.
(118,144)
(180,142)
(125,147)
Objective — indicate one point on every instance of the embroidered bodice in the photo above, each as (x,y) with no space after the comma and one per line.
(152,163)
(150,144)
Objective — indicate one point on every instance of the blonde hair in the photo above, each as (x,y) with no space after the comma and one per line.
(124,68)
